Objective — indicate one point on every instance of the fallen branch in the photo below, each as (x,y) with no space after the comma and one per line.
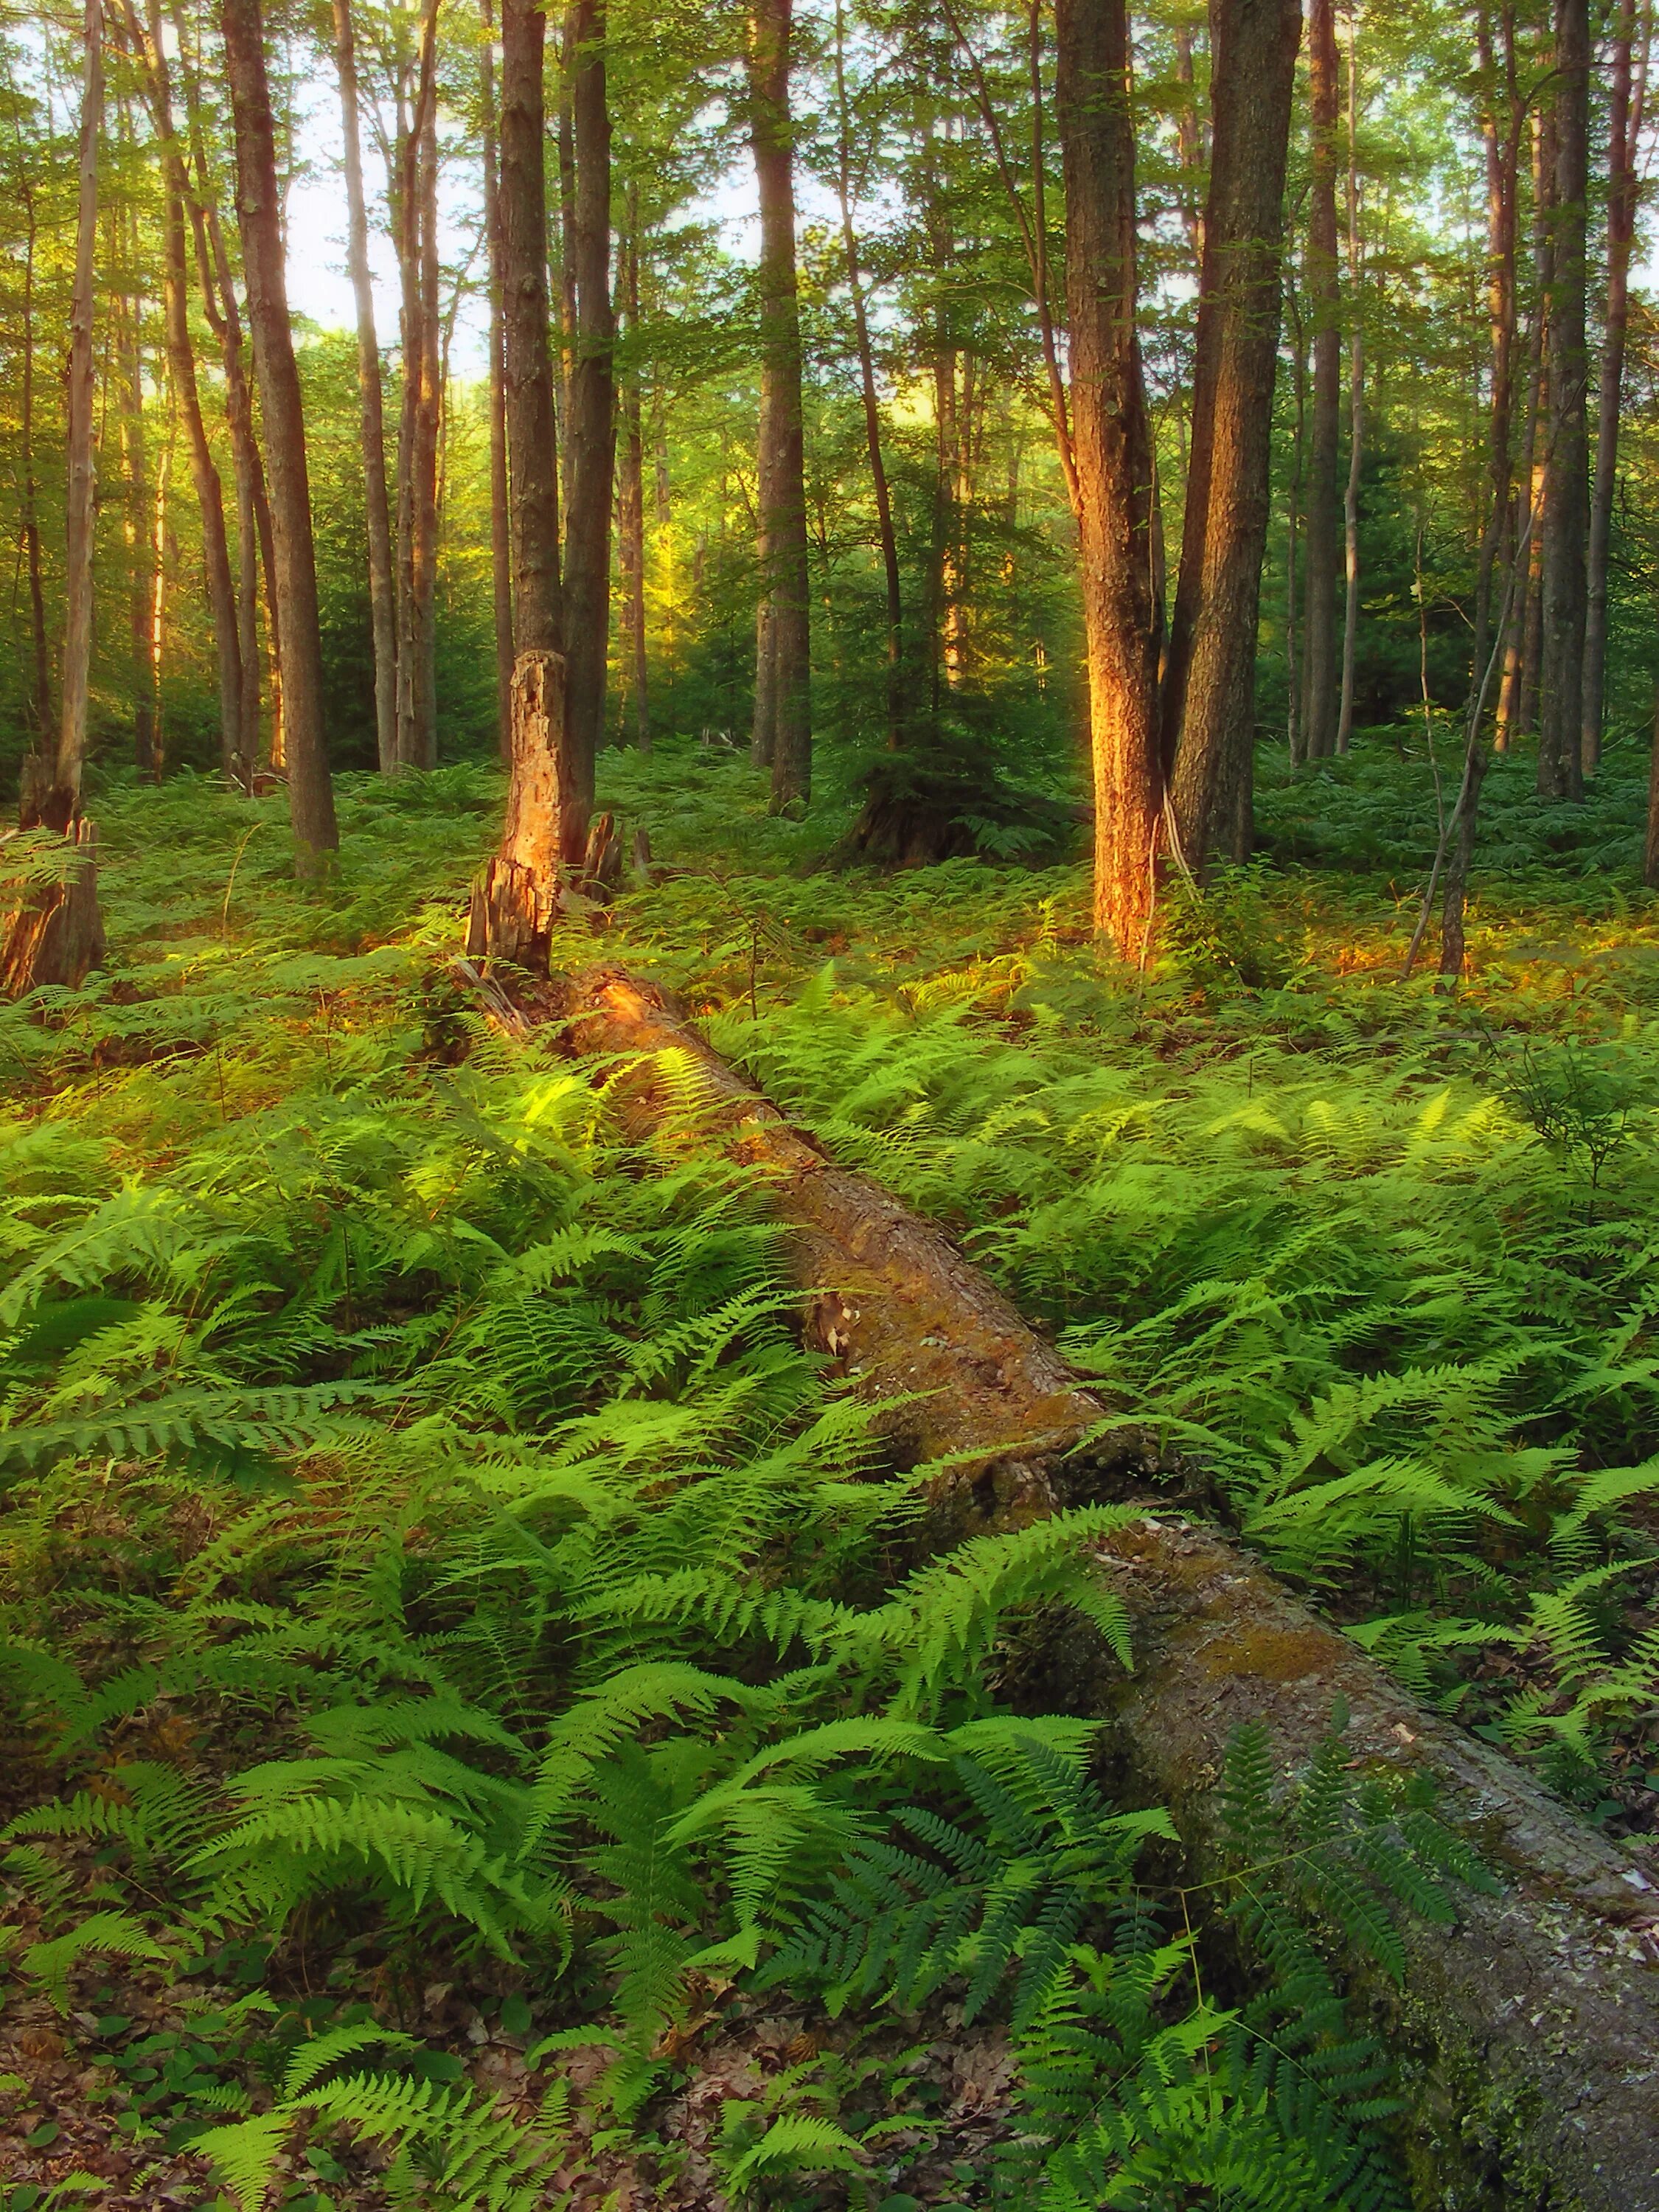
(1528,2037)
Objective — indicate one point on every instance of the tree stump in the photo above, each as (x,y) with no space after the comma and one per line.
(54,933)
(516,901)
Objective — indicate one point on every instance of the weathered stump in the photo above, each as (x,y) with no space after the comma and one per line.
(515,901)
(55,932)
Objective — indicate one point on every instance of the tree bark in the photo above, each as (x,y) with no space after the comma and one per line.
(417,442)
(138,532)
(1320,675)
(371,417)
(1502,119)
(59,805)
(311,794)
(1111,439)
(1295,727)
(631,499)
(1209,688)
(781,447)
(591,426)
(29,519)
(1356,404)
(501,558)
(888,542)
(526,355)
(515,901)
(1624,132)
(1561,674)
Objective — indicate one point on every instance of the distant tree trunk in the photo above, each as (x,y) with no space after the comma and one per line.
(1295,727)
(371,405)
(566,137)
(135,459)
(630,500)
(57,934)
(311,795)
(155,638)
(417,446)
(1122,584)
(1561,677)
(1624,132)
(889,562)
(1517,699)
(59,804)
(500,558)
(591,426)
(29,519)
(1356,404)
(1189,141)
(1209,689)
(1320,675)
(514,903)
(1503,150)
(782,468)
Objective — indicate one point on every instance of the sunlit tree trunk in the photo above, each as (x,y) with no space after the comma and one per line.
(1122,584)
(500,558)
(1356,404)
(1295,725)
(630,498)
(139,533)
(1566,464)
(783,483)
(1320,671)
(311,795)
(371,417)
(1209,689)
(29,518)
(592,422)
(1624,130)
(417,444)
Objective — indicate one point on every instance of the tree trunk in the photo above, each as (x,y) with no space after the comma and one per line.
(630,500)
(311,794)
(591,425)
(1209,689)
(1623,131)
(1295,727)
(889,562)
(1561,672)
(135,462)
(60,805)
(526,355)
(515,903)
(1356,404)
(29,520)
(782,468)
(1111,439)
(417,442)
(371,406)
(500,558)
(1320,676)
(1503,150)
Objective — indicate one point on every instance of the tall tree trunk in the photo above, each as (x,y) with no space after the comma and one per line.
(1561,678)
(1295,727)
(514,903)
(782,467)
(60,803)
(565,133)
(591,425)
(500,558)
(630,500)
(890,562)
(1320,674)
(371,417)
(29,518)
(1502,116)
(155,637)
(1356,404)
(1209,689)
(1623,131)
(139,533)
(1111,436)
(311,794)
(417,444)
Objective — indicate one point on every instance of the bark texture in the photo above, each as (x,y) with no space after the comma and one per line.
(501,558)
(1566,463)
(371,417)
(527,357)
(1209,693)
(630,495)
(782,682)
(1528,2036)
(418,428)
(311,794)
(590,425)
(1111,437)
(56,933)
(1319,695)
(515,901)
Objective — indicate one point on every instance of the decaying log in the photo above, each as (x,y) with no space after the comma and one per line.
(515,901)
(56,933)
(1528,2037)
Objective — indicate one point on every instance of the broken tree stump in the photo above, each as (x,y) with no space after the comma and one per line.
(515,901)
(54,933)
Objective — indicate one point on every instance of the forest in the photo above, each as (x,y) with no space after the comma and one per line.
(829,1106)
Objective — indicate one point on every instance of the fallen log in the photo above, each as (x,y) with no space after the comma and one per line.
(1528,2036)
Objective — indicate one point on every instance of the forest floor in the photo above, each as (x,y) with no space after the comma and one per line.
(391,1442)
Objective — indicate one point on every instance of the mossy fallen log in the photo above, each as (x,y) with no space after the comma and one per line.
(1526,2036)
